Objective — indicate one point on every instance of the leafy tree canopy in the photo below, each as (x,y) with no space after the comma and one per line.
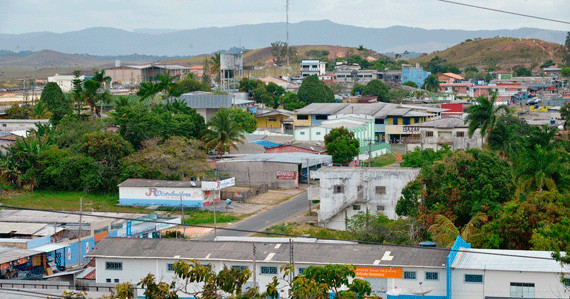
(313,90)
(341,144)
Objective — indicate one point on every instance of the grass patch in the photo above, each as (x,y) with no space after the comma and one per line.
(67,200)
(304,229)
(207,217)
(384,160)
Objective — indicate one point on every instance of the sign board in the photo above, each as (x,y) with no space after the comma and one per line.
(129,228)
(378,272)
(411,129)
(286,175)
(217,185)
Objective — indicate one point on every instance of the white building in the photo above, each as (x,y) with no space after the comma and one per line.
(452,131)
(140,192)
(387,268)
(345,191)
(65,82)
(313,67)
(361,125)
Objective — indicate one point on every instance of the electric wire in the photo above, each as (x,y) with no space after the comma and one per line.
(472,251)
(506,12)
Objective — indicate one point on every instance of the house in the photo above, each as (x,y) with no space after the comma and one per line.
(133,75)
(140,192)
(207,104)
(552,71)
(459,89)
(450,78)
(286,84)
(299,146)
(272,119)
(450,131)
(312,67)
(65,82)
(361,125)
(414,74)
(278,170)
(387,268)
(348,77)
(346,191)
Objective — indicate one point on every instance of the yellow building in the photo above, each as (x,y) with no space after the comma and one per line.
(272,119)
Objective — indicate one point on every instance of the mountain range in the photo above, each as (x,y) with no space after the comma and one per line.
(111,41)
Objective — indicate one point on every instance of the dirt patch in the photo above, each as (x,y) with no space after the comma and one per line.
(273,197)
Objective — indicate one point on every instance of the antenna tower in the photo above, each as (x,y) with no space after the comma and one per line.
(287,16)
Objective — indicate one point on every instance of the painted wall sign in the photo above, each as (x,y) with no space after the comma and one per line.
(286,175)
(217,185)
(378,272)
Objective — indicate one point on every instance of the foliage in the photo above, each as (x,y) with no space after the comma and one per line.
(522,72)
(313,90)
(383,160)
(566,50)
(424,158)
(246,120)
(547,63)
(471,68)
(168,87)
(379,229)
(444,232)
(438,65)
(290,101)
(378,89)
(507,136)
(280,50)
(178,158)
(431,84)
(341,144)
(191,83)
(18,111)
(462,184)
(248,85)
(207,217)
(224,132)
(542,169)
(357,89)
(149,89)
(483,115)
(565,113)
(411,84)
(56,102)
(565,72)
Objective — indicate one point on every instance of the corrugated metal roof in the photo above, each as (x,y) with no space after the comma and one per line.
(159,183)
(266,144)
(8,254)
(206,100)
(295,158)
(321,108)
(50,247)
(20,228)
(451,122)
(305,253)
(508,260)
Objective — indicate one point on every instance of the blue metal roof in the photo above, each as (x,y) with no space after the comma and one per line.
(266,144)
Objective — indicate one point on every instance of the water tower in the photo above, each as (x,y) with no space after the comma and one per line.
(231,71)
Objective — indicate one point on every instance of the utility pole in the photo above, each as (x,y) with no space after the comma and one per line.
(80,226)
(309,185)
(369,152)
(292,259)
(254,268)
(183,222)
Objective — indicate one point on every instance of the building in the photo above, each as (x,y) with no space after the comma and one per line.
(450,78)
(207,104)
(387,268)
(133,75)
(552,71)
(139,192)
(278,170)
(361,125)
(450,131)
(459,89)
(346,191)
(65,82)
(414,74)
(272,119)
(309,147)
(348,77)
(313,67)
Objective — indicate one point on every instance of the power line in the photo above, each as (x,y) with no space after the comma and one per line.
(506,12)
(280,234)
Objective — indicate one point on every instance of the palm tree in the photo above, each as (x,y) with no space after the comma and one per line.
(224,133)
(483,115)
(444,232)
(167,85)
(148,89)
(543,136)
(101,78)
(431,83)
(91,96)
(122,101)
(541,169)
(40,111)
(212,65)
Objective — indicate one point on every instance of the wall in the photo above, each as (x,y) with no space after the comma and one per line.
(144,196)
(311,134)
(255,173)
(125,75)
(270,121)
(72,252)
(9,125)
(302,122)
(393,179)
(449,137)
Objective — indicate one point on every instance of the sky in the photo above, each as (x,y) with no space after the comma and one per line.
(22,16)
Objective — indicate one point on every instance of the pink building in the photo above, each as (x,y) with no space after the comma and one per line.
(460,89)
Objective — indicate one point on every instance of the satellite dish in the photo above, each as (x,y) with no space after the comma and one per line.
(193,183)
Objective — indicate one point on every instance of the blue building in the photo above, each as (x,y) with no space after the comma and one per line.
(414,74)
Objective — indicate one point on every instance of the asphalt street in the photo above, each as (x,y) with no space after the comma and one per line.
(272,216)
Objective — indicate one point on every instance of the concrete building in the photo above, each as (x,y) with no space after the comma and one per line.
(207,103)
(346,191)
(133,75)
(414,74)
(280,170)
(450,78)
(312,67)
(348,77)
(65,82)
(361,125)
(459,89)
(387,268)
(272,119)
(451,131)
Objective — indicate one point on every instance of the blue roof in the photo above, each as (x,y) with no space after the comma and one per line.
(266,144)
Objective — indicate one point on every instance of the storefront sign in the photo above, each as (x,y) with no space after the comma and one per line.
(378,272)
(286,175)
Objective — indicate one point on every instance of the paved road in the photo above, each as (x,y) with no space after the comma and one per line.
(275,215)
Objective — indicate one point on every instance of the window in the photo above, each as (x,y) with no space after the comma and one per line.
(321,117)
(302,116)
(116,280)
(338,189)
(429,133)
(473,278)
(409,274)
(273,119)
(356,207)
(268,270)
(318,133)
(380,189)
(432,276)
(108,280)
(379,208)
(170,267)
(522,290)
(113,266)
(406,120)
(460,134)
(302,133)
(379,121)
(239,267)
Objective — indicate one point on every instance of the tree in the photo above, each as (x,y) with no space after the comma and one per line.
(444,232)
(280,50)
(212,66)
(483,115)
(224,132)
(334,278)
(56,102)
(378,89)
(522,72)
(341,144)
(246,120)
(101,78)
(431,84)
(508,135)
(178,158)
(168,87)
(313,90)
(248,85)
(566,51)
(191,83)
(471,68)
(92,95)
(542,169)
(565,113)
(379,229)
(357,89)
(410,84)
(290,101)
(565,72)
(78,94)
